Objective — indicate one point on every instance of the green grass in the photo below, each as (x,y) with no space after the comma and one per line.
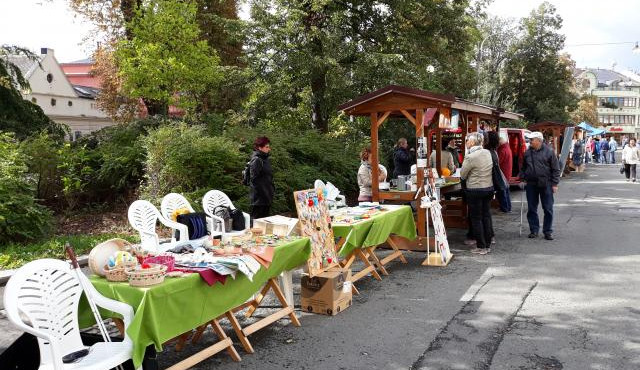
(15,255)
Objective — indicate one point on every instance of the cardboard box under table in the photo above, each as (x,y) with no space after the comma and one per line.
(325,293)
(360,238)
(179,305)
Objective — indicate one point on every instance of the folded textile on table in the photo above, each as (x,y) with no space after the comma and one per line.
(209,276)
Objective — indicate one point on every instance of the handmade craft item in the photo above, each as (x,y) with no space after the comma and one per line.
(100,254)
(315,223)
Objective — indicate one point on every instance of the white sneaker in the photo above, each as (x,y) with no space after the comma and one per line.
(469,242)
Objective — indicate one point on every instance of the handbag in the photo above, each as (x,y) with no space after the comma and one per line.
(499,181)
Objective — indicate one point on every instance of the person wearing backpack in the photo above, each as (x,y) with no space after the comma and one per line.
(259,177)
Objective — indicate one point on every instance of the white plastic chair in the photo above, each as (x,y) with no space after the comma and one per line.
(215,198)
(334,199)
(143,217)
(46,293)
(173,201)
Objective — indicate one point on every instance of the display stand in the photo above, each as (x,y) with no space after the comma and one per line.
(442,255)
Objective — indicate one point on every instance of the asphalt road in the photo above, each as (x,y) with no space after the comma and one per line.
(571,303)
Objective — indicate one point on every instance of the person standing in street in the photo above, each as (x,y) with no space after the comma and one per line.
(613,146)
(604,151)
(541,171)
(261,178)
(630,160)
(588,148)
(577,154)
(476,173)
(596,151)
(401,158)
(505,161)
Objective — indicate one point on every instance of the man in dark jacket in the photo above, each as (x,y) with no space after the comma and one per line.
(261,183)
(541,171)
(401,159)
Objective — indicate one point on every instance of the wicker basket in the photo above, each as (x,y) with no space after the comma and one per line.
(119,273)
(147,277)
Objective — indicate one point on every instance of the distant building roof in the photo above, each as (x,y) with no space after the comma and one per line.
(26,65)
(81,61)
(606,77)
(86,92)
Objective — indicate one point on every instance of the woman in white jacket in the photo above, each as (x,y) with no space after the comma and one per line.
(630,158)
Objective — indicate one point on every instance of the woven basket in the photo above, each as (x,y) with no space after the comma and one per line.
(119,273)
(147,277)
(168,261)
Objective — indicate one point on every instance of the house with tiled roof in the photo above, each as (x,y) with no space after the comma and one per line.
(618,95)
(61,99)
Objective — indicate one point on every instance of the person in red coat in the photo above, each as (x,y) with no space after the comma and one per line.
(505,160)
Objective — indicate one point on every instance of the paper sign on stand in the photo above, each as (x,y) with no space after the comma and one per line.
(442,255)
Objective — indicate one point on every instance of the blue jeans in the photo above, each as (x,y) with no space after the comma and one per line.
(504,198)
(604,156)
(537,195)
(612,153)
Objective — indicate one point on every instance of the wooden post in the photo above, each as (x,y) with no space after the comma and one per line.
(439,150)
(374,158)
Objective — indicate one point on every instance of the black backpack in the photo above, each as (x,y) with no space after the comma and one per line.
(238,221)
(246,174)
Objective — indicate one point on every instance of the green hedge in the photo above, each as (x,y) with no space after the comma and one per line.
(21,218)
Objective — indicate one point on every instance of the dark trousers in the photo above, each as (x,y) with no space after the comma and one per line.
(630,171)
(542,195)
(504,198)
(479,203)
(604,156)
(259,212)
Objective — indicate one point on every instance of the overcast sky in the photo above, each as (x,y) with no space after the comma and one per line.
(50,23)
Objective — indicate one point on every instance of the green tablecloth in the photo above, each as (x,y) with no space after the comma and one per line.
(178,305)
(374,231)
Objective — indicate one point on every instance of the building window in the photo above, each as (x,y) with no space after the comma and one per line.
(53,102)
(34,100)
(70,103)
(49,78)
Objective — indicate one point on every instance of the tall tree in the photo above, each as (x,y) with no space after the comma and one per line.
(586,111)
(536,76)
(165,61)
(310,55)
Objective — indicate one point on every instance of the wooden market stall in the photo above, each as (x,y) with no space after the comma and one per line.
(431,114)
(417,106)
(552,131)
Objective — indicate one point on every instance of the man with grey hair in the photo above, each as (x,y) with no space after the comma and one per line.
(541,171)
(476,173)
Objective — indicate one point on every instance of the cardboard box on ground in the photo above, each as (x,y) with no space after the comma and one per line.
(327,293)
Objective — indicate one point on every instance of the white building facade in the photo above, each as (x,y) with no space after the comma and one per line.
(63,102)
(618,95)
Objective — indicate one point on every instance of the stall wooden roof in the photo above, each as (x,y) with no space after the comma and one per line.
(394,98)
(544,125)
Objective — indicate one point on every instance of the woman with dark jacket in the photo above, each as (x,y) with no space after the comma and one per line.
(402,160)
(261,183)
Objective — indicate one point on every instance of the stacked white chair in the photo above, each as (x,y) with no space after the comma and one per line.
(46,293)
(215,198)
(143,217)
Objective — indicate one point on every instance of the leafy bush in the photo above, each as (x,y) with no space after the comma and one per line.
(182,158)
(21,218)
(298,159)
(44,158)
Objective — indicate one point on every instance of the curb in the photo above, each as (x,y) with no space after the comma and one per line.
(5,275)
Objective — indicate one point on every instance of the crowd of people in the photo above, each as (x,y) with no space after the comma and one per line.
(484,173)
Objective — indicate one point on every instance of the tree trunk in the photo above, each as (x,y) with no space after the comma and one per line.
(156,108)
(319,117)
